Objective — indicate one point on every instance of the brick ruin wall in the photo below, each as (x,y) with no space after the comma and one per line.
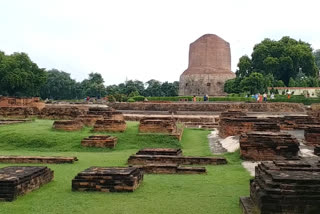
(211,107)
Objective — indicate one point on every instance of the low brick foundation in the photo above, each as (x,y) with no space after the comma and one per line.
(67,125)
(110,126)
(12,121)
(19,180)
(170,169)
(104,179)
(291,122)
(284,187)
(103,141)
(179,160)
(160,151)
(268,146)
(210,106)
(36,159)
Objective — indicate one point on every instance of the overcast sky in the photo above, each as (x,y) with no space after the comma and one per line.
(145,40)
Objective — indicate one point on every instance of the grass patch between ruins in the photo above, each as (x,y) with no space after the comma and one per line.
(216,192)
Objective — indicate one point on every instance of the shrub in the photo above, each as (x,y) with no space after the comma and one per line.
(138,98)
(131,100)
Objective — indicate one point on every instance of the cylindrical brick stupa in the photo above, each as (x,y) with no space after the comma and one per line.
(209,67)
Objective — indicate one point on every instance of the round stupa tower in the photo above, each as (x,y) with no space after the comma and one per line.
(209,67)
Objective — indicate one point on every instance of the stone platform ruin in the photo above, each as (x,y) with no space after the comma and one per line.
(108,179)
(67,125)
(284,187)
(108,125)
(101,141)
(36,159)
(268,146)
(19,180)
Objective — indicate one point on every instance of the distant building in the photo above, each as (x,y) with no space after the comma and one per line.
(312,91)
(209,67)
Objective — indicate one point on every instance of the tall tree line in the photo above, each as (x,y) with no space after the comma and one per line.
(19,76)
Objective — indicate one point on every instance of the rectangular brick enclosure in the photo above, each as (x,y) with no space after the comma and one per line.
(19,180)
(108,179)
(110,126)
(160,151)
(268,146)
(284,187)
(103,141)
(67,125)
(36,159)
(179,160)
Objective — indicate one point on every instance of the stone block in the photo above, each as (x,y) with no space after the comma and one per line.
(19,180)
(108,179)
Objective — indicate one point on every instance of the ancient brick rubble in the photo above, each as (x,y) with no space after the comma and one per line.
(19,180)
(108,179)
(312,135)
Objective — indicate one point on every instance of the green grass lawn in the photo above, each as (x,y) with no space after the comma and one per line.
(217,192)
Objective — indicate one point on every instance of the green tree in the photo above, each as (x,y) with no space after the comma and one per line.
(253,84)
(19,76)
(316,55)
(245,67)
(153,89)
(283,58)
(59,85)
(93,86)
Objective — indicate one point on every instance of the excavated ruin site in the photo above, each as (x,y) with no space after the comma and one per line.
(276,143)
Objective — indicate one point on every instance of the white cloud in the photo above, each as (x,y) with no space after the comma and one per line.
(144,39)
